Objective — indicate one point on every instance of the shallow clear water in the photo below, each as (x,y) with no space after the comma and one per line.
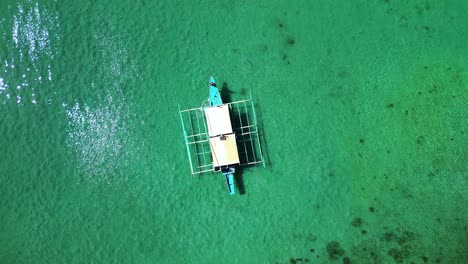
(362,107)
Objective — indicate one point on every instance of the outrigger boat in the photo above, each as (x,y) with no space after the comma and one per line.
(221,136)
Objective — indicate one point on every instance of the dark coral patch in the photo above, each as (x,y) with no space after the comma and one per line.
(406,236)
(346,260)
(357,222)
(420,140)
(424,259)
(398,255)
(311,237)
(291,41)
(389,236)
(334,250)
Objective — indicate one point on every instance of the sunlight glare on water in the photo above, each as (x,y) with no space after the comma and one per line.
(99,138)
(30,52)
(99,131)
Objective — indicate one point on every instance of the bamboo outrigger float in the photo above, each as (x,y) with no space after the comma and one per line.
(220,136)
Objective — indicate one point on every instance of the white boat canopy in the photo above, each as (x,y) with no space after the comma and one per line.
(222,140)
(218,120)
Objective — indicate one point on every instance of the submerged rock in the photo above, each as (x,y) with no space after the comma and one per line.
(334,250)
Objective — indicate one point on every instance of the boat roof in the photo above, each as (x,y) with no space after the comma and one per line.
(218,120)
(224,150)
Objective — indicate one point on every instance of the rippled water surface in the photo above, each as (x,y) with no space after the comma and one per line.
(362,108)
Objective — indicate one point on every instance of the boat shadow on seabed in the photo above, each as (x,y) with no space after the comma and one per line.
(237,121)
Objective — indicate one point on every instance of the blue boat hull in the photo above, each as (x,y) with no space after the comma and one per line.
(215,96)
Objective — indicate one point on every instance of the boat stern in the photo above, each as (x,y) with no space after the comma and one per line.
(229,174)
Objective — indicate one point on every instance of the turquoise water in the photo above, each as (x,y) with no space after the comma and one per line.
(362,107)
